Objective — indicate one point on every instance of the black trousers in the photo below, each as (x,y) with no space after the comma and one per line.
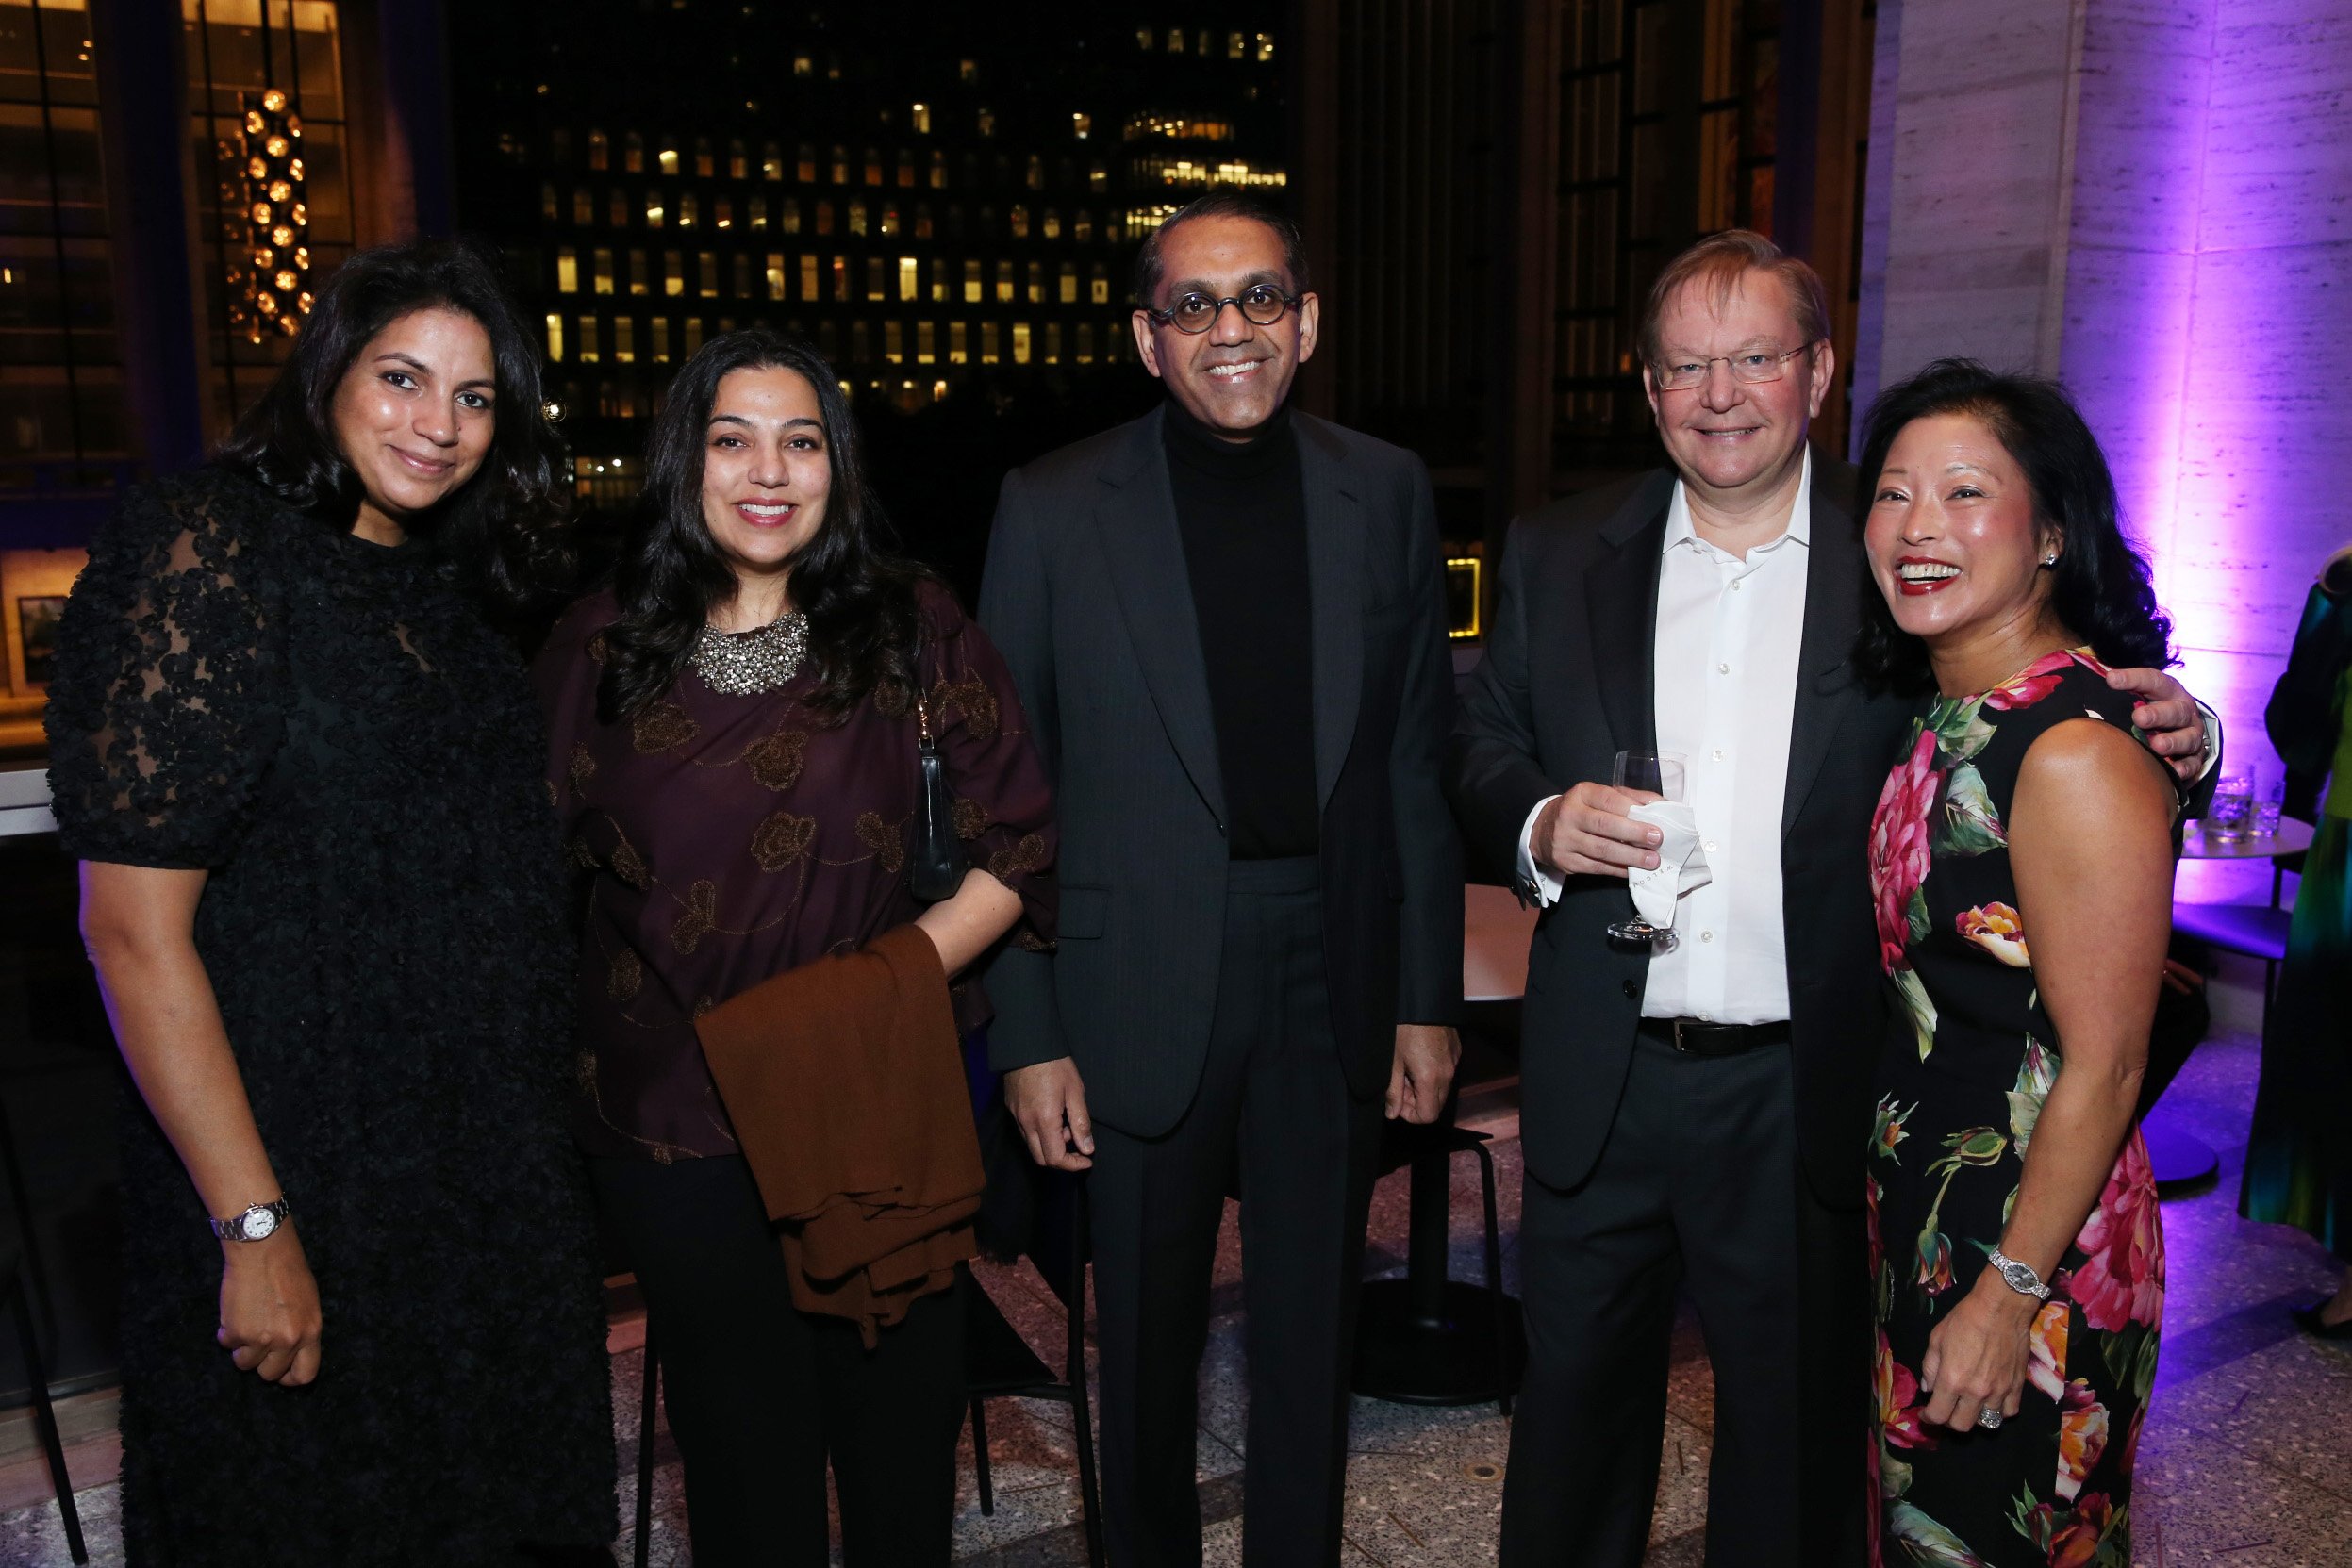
(759,1393)
(1273,1106)
(1699,1184)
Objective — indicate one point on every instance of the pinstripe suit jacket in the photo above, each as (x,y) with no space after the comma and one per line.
(1086,594)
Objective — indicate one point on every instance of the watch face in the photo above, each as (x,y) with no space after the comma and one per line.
(257,1223)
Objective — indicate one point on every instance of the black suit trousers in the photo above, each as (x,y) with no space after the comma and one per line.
(1697,1189)
(1274,1110)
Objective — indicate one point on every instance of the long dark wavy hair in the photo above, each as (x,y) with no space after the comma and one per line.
(504,533)
(2101,590)
(858,594)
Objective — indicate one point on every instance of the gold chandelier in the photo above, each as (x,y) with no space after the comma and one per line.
(270,286)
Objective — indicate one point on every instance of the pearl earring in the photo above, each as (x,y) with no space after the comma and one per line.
(2050,559)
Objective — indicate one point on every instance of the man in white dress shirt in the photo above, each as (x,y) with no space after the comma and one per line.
(1695,1118)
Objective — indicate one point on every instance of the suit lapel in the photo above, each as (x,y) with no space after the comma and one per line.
(1825,677)
(1336,550)
(1622,608)
(1136,521)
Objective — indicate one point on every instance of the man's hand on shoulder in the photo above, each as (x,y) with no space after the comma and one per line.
(2168,716)
(1049,1104)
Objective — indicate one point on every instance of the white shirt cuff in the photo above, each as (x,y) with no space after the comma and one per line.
(1534,880)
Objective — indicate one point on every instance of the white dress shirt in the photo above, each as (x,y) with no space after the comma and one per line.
(1728,636)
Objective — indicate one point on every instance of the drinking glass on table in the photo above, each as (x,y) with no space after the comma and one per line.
(2267,809)
(1659,776)
(2231,815)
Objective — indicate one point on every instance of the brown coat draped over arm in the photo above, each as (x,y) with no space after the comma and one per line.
(844,1079)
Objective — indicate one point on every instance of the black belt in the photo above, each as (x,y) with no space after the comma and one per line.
(1693,1038)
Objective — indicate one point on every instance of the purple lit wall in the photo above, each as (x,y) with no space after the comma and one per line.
(2153,201)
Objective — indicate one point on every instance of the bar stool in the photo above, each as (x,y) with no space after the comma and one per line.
(998,1364)
(36,1374)
(1427,1339)
(2257,931)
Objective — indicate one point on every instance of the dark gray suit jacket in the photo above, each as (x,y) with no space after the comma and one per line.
(1566,685)
(1088,598)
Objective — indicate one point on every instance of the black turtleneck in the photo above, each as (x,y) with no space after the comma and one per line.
(1241,507)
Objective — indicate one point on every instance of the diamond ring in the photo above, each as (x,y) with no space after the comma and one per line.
(1989,1417)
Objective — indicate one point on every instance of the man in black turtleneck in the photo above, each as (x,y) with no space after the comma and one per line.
(1243,516)
(1227,626)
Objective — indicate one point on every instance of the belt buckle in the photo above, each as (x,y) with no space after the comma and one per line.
(1678,1038)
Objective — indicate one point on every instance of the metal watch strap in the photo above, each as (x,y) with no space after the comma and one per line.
(233,1228)
(2018,1276)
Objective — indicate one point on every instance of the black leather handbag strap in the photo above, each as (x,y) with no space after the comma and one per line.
(938,866)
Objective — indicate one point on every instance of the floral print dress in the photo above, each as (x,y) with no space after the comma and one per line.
(1970,1056)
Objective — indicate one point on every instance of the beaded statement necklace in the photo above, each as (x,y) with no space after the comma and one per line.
(743,663)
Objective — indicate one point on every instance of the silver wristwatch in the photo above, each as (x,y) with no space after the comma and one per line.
(257,1222)
(2019,1276)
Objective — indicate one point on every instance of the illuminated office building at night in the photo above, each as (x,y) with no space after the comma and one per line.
(935,214)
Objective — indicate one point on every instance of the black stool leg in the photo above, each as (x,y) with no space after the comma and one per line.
(45,1419)
(1503,1378)
(648,1395)
(1081,1406)
(36,1274)
(980,1460)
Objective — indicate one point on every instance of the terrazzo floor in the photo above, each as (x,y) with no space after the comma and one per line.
(2245,1461)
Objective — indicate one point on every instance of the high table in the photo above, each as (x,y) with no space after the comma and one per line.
(24,803)
(2178,1158)
(1427,1339)
(2292,838)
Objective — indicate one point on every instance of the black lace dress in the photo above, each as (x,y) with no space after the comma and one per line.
(327,728)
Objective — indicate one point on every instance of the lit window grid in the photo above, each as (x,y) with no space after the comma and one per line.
(765,277)
(1208,42)
(590,338)
(1609,171)
(805,260)
(1203,173)
(840,283)
(61,400)
(837,165)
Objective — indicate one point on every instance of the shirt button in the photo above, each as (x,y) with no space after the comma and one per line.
(1718,754)
(1710,845)
(1706,1017)
(1735,587)
(1706,937)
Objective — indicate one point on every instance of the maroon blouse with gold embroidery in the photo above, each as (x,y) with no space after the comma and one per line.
(724,839)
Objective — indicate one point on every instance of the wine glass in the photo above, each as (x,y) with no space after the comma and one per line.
(1659,775)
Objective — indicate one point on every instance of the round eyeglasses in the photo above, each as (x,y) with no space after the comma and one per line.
(1261,305)
(1753,367)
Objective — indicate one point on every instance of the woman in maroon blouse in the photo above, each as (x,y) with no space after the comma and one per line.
(734,754)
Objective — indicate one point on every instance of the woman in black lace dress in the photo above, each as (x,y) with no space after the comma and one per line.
(321,886)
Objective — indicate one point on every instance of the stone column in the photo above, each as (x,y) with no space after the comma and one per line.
(1520,407)
(2151,200)
(142,96)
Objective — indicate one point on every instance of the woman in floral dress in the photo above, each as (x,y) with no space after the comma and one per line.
(2021,860)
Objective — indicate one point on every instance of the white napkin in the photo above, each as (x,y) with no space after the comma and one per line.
(1681,866)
